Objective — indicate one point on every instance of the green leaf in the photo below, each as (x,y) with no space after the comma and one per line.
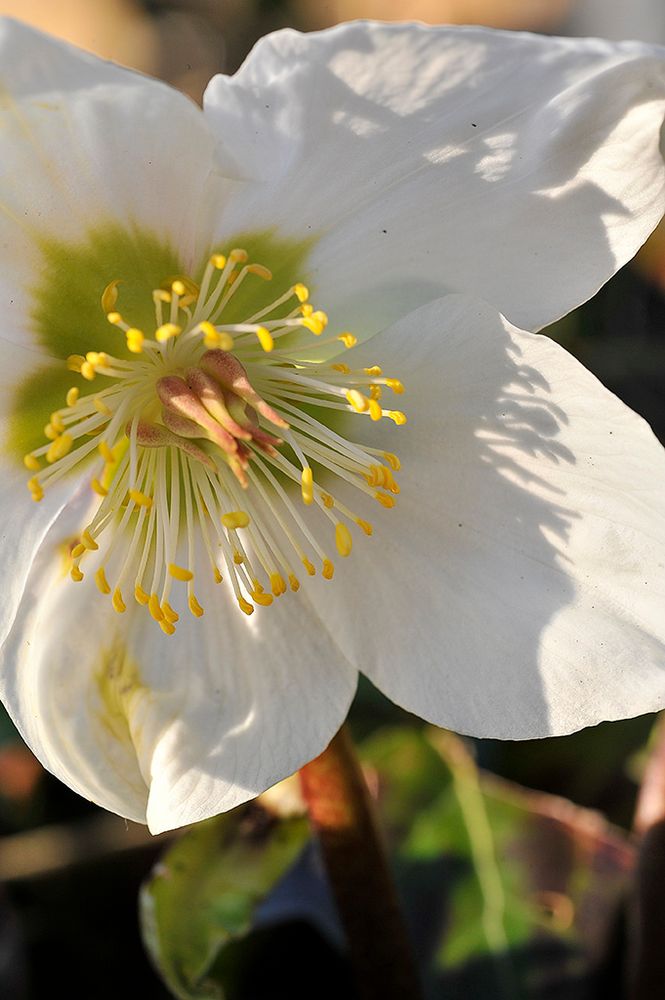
(511,893)
(198,906)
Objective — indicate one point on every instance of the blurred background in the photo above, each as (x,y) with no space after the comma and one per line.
(71,874)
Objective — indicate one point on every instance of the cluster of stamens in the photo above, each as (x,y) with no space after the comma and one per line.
(194,436)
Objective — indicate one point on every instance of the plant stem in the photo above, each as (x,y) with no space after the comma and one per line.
(342,814)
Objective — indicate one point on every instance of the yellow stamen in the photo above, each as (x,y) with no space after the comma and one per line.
(32,462)
(245,606)
(311,571)
(140,595)
(328,569)
(76,574)
(89,541)
(154,607)
(98,488)
(194,606)
(392,460)
(265,339)
(117,601)
(277,584)
(169,614)
(265,600)
(178,573)
(374,370)
(307,486)
(101,407)
(356,399)
(59,448)
(343,539)
(101,581)
(74,362)
(397,416)
(166,331)
(294,582)
(238,256)
(110,296)
(385,500)
(365,525)
(328,501)
(72,396)
(301,292)
(35,489)
(105,452)
(114,318)
(260,271)
(78,551)
(135,340)
(235,519)
(167,627)
(348,340)
(375,410)
(218,260)
(141,499)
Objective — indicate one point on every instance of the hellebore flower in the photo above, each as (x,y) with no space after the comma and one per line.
(203,440)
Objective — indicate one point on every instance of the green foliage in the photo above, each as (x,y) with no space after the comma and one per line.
(197,908)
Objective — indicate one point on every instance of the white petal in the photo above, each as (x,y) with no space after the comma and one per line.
(422,160)
(87,143)
(517,589)
(169,730)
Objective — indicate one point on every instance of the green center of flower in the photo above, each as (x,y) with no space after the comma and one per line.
(196,434)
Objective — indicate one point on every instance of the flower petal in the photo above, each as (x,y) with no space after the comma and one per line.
(86,143)
(424,160)
(517,589)
(176,728)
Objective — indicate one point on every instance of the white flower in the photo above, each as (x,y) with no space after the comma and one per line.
(215,424)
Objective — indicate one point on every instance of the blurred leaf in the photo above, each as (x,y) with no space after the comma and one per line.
(198,906)
(510,893)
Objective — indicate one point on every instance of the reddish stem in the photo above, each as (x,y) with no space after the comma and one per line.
(342,814)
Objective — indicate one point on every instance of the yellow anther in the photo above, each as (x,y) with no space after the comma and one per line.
(177,287)
(105,452)
(161,295)
(356,399)
(59,448)
(328,569)
(210,334)
(397,416)
(78,550)
(314,326)
(168,628)
(89,541)
(135,340)
(245,606)
(265,600)
(140,595)
(307,486)
(375,410)
(167,331)
(87,371)
(344,369)
(141,499)
(385,500)
(98,488)
(277,584)
(101,407)
(101,581)
(260,271)
(374,370)
(328,501)
(117,601)
(311,571)
(307,309)
(114,318)
(265,339)
(301,292)
(375,392)
(218,260)
(178,573)
(35,488)
(110,296)
(258,586)
(392,460)
(365,525)
(32,462)
(294,582)
(235,519)
(320,317)
(238,558)
(50,432)
(238,256)
(57,422)
(76,574)
(169,614)
(97,357)
(155,608)
(194,606)
(217,575)
(395,385)
(72,396)
(343,539)
(348,340)
(74,362)
(185,285)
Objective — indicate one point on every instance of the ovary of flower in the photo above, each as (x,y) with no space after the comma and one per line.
(198,441)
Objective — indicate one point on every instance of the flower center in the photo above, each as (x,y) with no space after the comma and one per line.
(197,432)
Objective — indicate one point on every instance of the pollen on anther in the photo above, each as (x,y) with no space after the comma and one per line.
(307,486)
(117,601)
(179,573)
(101,581)
(328,570)
(235,519)
(141,499)
(343,539)
(194,606)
